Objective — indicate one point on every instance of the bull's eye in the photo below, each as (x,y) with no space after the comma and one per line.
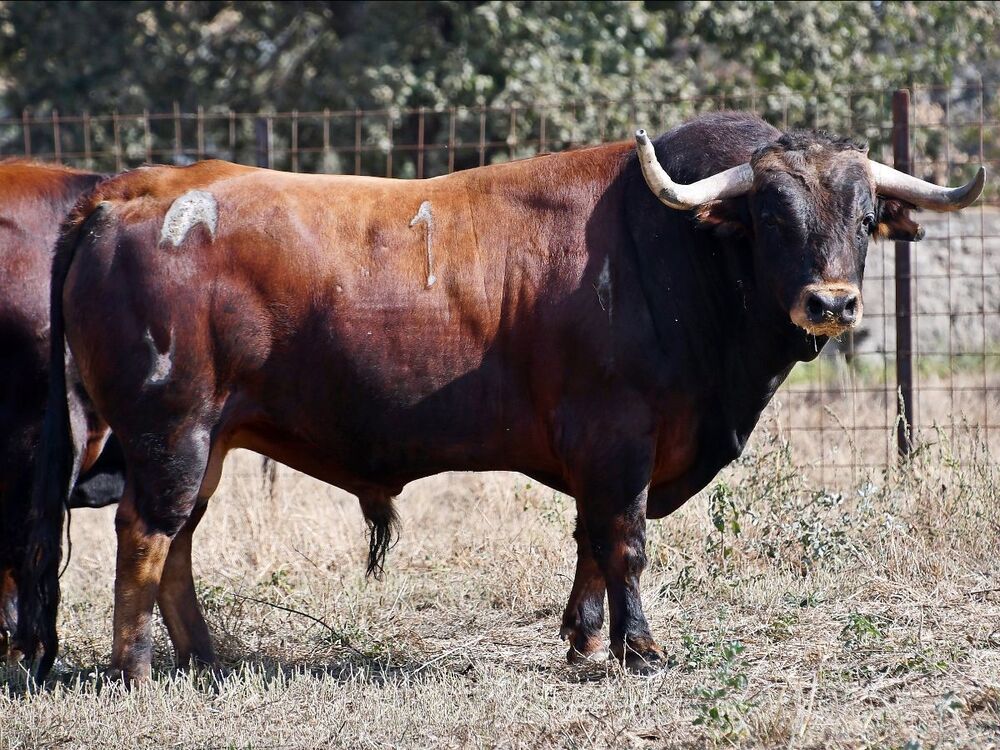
(768,219)
(868,221)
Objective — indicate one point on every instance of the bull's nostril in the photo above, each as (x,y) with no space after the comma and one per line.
(815,308)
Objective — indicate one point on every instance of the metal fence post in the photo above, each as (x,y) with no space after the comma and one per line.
(904,333)
(26,127)
(262,133)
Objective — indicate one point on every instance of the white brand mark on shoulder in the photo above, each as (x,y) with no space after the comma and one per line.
(191,209)
(424,216)
(162,364)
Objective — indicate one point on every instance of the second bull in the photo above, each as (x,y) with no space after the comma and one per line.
(34,199)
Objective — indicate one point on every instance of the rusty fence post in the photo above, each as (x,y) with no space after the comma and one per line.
(904,310)
(26,127)
(262,133)
(178,135)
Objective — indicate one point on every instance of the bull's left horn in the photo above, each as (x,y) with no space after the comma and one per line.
(727,184)
(898,184)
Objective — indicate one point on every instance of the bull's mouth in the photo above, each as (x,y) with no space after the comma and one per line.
(828,309)
(831,330)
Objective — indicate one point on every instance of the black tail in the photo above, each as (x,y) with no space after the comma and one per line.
(269,468)
(383,530)
(38,595)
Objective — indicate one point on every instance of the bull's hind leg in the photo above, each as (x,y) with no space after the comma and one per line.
(142,551)
(583,620)
(178,602)
(13,509)
(158,502)
(8,609)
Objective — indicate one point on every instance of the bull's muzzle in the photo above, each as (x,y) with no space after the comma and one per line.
(828,309)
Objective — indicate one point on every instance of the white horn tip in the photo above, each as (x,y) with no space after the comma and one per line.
(640,137)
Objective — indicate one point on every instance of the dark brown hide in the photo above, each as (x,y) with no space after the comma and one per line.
(306,329)
(34,199)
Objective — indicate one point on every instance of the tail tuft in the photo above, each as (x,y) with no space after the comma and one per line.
(383,532)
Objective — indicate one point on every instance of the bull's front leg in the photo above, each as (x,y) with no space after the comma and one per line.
(583,620)
(611,493)
(618,541)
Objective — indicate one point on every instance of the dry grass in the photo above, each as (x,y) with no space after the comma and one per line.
(795,618)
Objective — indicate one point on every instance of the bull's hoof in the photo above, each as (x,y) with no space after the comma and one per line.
(113,674)
(583,649)
(14,657)
(598,655)
(640,656)
(130,678)
(13,653)
(205,673)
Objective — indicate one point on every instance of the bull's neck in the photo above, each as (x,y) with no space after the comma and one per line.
(717,333)
(754,354)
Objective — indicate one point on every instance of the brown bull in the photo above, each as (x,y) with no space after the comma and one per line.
(34,199)
(548,316)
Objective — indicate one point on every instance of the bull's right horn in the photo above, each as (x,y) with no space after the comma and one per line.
(898,184)
(727,184)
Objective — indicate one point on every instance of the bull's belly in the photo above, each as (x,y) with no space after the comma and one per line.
(349,426)
(367,465)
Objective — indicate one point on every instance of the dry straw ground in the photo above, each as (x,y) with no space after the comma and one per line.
(796,617)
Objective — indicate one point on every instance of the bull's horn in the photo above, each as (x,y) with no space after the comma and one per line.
(898,184)
(732,182)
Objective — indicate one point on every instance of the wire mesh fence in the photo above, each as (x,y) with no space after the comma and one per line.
(839,412)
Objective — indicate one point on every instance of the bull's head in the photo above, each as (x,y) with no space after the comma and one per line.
(811,204)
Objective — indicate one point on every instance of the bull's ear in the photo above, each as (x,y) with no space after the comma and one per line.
(893,222)
(728,218)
